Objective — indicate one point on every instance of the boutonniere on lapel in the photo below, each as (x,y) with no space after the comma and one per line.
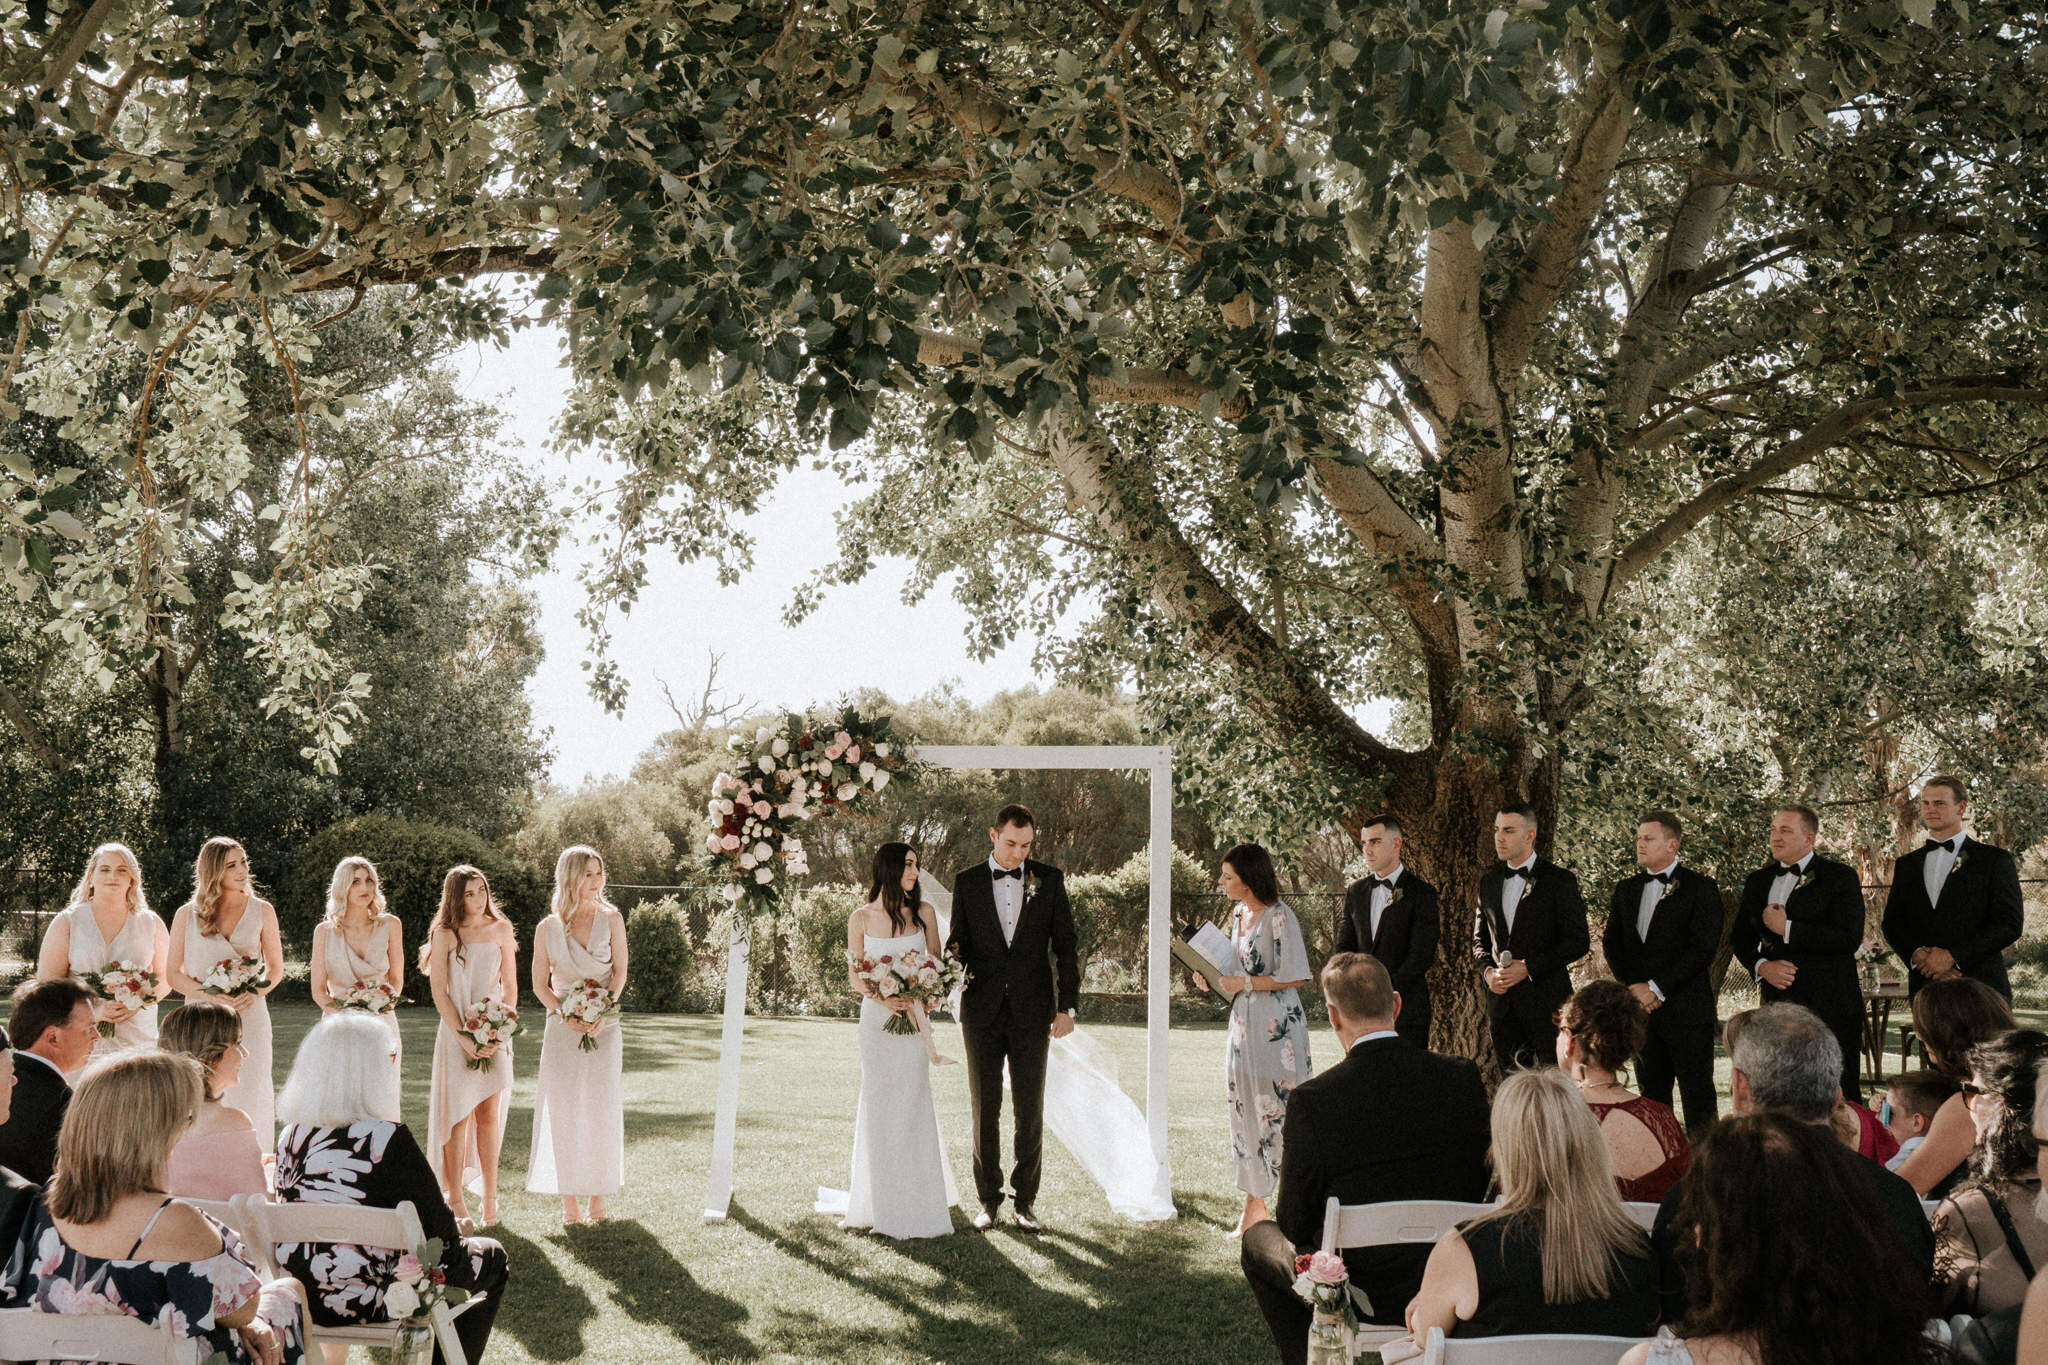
(1030,885)
(1805,880)
(1962,858)
(1528,888)
(1394,898)
(1668,888)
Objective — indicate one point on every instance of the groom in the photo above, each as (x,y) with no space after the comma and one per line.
(1011,921)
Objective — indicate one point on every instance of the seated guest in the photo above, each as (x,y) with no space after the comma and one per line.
(219,1157)
(107,1239)
(1786,1060)
(1389,1122)
(15,1193)
(1950,1017)
(1909,1108)
(1599,1031)
(1864,1133)
(1561,1254)
(1790,1258)
(1989,1236)
(53,1022)
(342,1143)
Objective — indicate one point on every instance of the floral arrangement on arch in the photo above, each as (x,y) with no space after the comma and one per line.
(784,775)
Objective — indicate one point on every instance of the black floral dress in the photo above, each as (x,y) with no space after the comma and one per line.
(46,1272)
(377,1164)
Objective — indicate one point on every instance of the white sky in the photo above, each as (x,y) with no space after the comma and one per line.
(684,613)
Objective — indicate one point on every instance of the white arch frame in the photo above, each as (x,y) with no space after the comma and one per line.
(1157,762)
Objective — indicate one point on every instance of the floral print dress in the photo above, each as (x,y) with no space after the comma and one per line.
(1267,1053)
(46,1272)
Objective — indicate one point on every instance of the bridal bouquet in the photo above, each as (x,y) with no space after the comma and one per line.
(233,976)
(128,985)
(918,977)
(487,1025)
(589,1001)
(372,997)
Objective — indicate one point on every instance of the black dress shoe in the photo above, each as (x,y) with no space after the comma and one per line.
(1027,1221)
(984,1218)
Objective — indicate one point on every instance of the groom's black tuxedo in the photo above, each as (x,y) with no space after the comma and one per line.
(1007,1010)
(1980,913)
(1685,932)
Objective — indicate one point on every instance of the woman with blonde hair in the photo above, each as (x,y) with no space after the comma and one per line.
(218,1157)
(359,942)
(1560,1254)
(109,922)
(470,956)
(227,924)
(105,1238)
(579,1126)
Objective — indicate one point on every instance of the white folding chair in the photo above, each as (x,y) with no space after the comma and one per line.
(273,1225)
(1540,1349)
(1644,1214)
(30,1334)
(1371,1225)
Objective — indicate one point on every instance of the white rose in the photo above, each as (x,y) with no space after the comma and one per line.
(847,791)
(766,764)
(790,844)
(733,893)
(764,875)
(761,736)
(401,1301)
(779,747)
(881,778)
(711,841)
(763,850)
(882,750)
(747,860)
(867,770)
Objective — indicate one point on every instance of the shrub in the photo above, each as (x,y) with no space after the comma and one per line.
(1112,911)
(662,965)
(411,858)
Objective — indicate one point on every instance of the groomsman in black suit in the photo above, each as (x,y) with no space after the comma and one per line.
(1392,915)
(1530,929)
(1798,930)
(1663,925)
(1011,924)
(1955,905)
(1388,1122)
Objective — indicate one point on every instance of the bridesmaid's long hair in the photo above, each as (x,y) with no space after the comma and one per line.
(885,884)
(448,915)
(207,872)
(343,878)
(570,870)
(82,894)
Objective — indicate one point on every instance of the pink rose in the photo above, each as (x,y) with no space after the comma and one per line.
(408,1267)
(763,809)
(853,754)
(730,843)
(1326,1267)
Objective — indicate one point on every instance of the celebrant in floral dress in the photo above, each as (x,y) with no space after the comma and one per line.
(1267,1052)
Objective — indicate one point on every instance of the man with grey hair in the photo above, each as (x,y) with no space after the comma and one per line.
(1784,1058)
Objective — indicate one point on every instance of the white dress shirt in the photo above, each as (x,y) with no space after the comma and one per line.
(1369,1037)
(1646,910)
(1009,899)
(1940,862)
(1511,892)
(1781,888)
(1383,896)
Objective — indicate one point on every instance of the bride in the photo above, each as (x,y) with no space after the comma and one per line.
(902,1184)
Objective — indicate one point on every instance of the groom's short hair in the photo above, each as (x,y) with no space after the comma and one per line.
(1358,985)
(1014,814)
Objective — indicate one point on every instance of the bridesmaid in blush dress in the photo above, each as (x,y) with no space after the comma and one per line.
(470,956)
(223,921)
(110,921)
(579,1125)
(358,943)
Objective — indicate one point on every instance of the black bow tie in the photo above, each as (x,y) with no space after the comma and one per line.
(1514,872)
(1788,869)
(1946,845)
(1017,872)
(1664,877)
(1373,883)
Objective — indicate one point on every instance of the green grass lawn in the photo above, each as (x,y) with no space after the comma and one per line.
(780,1283)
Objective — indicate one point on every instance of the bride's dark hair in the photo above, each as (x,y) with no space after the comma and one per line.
(885,884)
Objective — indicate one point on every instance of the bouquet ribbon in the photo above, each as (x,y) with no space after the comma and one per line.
(924,1031)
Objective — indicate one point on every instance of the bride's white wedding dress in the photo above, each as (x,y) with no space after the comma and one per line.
(902,1183)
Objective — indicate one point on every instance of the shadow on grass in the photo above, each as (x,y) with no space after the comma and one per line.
(651,1286)
(543,1311)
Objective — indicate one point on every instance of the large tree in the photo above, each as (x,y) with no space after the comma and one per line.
(1308,352)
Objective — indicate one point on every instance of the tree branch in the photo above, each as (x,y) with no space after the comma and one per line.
(69,44)
(31,734)
(1169,388)
(1816,440)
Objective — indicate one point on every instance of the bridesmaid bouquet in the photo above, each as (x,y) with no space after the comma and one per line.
(233,976)
(128,985)
(488,1024)
(589,1001)
(372,997)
